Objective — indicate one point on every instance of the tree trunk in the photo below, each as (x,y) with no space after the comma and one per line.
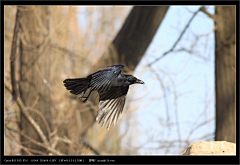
(35,61)
(225,69)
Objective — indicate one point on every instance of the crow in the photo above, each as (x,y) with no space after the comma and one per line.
(112,86)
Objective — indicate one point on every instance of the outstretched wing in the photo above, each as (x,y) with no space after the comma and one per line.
(105,78)
(111,104)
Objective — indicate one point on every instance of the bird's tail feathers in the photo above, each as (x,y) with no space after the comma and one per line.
(77,85)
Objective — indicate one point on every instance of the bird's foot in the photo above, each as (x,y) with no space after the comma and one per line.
(85,99)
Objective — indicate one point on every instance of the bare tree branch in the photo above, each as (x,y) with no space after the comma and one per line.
(35,126)
(41,115)
(164,94)
(65,50)
(45,143)
(35,142)
(198,126)
(176,115)
(204,10)
(13,56)
(90,147)
(177,41)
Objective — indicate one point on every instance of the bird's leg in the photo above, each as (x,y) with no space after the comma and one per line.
(87,96)
(85,91)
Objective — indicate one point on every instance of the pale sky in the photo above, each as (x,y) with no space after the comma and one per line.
(191,75)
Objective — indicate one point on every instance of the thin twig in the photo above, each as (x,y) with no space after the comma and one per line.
(177,41)
(164,95)
(29,150)
(204,10)
(35,102)
(198,126)
(43,118)
(13,138)
(35,142)
(176,115)
(90,147)
(30,119)
(35,126)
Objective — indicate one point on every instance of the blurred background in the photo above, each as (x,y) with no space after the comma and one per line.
(188,95)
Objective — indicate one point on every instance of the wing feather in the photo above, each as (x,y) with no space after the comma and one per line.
(111,104)
(105,78)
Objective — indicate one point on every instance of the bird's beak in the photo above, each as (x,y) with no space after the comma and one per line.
(139,81)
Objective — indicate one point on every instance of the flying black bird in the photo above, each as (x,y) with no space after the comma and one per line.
(112,87)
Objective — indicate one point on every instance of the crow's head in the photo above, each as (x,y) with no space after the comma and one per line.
(134,80)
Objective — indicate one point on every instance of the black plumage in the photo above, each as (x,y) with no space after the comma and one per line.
(112,86)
